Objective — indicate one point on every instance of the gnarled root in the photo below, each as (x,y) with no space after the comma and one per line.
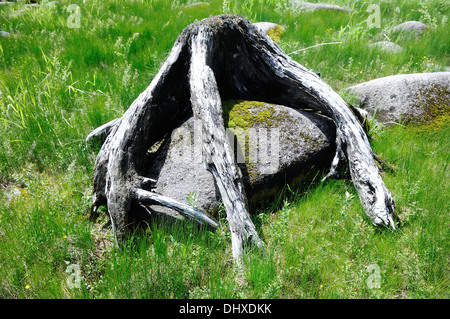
(224,57)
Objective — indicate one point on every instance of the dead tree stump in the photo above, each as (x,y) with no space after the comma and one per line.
(223,57)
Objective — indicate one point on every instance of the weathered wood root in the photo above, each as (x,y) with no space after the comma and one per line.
(225,57)
(150,198)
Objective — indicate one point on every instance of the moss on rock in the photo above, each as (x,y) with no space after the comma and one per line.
(239,117)
(434,101)
(306,145)
(247,114)
(276,33)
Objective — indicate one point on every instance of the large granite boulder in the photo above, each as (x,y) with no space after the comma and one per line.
(282,146)
(405,98)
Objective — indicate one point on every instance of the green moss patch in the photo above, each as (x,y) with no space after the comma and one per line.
(276,33)
(247,114)
(240,116)
(436,106)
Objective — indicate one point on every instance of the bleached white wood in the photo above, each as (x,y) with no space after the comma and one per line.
(219,157)
(151,198)
(103,130)
(225,57)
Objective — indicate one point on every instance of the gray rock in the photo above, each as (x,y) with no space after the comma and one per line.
(273,30)
(196,5)
(5,34)
(17,13)
(308,6)
(29,6)
(266,26)
(387,46)
(52,3)
(305,145)
(409,27)
(417,98)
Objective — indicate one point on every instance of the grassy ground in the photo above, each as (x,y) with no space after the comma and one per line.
(58,83)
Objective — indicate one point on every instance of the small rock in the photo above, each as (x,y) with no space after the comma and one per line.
(5,34)
(17,13)
(308,6)
(409,27)
(36,4)
(196,5)
(52,3)
(406,98)
(386,46)
(28,6)
(15,193)
(273,30)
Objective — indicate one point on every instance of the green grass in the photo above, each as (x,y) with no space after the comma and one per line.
(58,83)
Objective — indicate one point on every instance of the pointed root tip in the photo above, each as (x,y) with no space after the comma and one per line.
(391,222)
(386,220)
(333,174)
